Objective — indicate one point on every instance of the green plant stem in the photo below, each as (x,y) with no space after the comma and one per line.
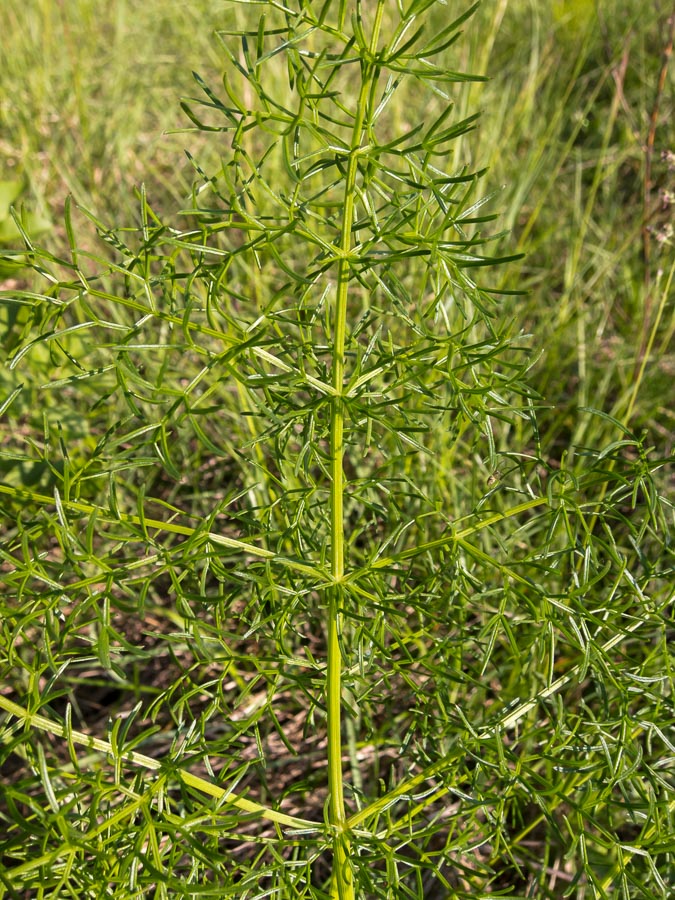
(342,886)
(132,757)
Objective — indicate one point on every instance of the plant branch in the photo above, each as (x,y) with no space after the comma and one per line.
(132,757)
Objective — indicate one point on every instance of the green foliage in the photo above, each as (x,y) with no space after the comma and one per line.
(322,600)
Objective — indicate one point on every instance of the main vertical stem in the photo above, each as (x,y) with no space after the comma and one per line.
(343,883)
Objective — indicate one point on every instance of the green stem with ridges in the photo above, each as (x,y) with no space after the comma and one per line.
(343,884)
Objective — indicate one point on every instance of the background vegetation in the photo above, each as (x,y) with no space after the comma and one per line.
(524,706)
